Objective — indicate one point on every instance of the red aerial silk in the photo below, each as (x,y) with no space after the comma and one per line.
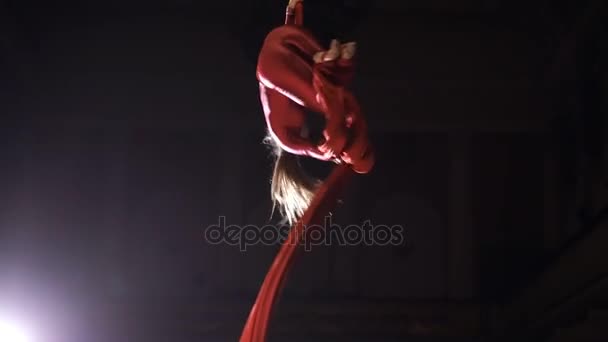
(291,81)
(323,202)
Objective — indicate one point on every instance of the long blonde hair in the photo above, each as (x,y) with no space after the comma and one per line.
(291,189)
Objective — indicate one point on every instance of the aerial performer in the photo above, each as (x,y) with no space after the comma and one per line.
(300,83)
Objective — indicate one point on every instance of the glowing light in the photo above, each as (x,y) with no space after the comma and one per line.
(11,331)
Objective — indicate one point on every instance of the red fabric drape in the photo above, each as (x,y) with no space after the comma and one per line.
(323,203)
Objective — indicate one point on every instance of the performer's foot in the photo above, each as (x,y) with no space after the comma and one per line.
(332,54)
(347,50)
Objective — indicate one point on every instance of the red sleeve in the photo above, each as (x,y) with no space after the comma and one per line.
(285,119)
(359,152)
(331,99)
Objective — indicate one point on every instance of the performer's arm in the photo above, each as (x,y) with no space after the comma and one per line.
(359,152)
(285,119)
(295,13)
(331,99)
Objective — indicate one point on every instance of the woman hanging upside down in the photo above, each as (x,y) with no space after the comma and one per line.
(300,81)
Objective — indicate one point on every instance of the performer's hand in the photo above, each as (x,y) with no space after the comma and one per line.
(333,145)
(317,153)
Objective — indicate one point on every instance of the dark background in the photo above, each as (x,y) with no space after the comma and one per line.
(129,127)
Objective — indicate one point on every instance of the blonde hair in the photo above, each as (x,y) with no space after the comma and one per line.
(291,189)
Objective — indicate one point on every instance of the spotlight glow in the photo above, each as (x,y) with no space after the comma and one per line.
(11,331)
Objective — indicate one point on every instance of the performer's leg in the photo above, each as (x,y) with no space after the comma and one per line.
(337,64)
(286,62)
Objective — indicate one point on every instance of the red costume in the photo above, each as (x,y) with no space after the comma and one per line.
(291,82)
